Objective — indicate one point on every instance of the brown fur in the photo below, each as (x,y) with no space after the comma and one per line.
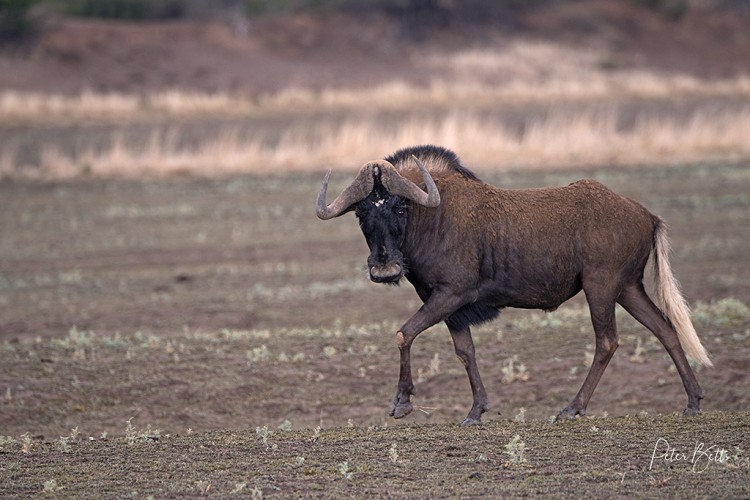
(484,248)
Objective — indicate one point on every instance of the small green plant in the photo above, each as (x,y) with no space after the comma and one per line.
(724,312)
(258,354)
(238,487)
(521,415)
(513,371)
(637,356)
(316,434)
(285,426)
(203,487)
(516,450)
(51,486)
(343,469)
(433,370)
(263,434)
(64,444)
(26,443)
(393,454)
(132,434)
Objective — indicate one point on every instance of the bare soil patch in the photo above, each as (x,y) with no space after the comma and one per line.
(667,456)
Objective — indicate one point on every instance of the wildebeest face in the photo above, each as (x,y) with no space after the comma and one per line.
(381,197)
(382,218)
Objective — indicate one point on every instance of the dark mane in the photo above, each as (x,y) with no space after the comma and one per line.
(435,158)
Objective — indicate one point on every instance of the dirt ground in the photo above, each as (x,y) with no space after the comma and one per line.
(184,313)
(641,456)
(192,336)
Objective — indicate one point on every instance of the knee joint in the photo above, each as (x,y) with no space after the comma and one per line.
(402,340)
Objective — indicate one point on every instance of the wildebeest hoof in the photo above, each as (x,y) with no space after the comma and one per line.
(569,414)
(470,421)
(401,410)
(689,412)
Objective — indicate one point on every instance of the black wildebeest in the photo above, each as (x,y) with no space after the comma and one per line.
(471,249)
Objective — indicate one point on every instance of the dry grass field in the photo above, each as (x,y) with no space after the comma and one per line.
(591,118)
(176,322)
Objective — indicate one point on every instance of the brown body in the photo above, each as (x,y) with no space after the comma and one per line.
(481,248)
(527,248)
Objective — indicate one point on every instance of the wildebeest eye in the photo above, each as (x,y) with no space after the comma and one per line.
(401,211)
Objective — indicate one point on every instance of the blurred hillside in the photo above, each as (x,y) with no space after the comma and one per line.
(260,46)
(130,87)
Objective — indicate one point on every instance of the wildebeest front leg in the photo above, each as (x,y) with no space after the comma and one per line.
(437,308)
(402,402)
(464,347)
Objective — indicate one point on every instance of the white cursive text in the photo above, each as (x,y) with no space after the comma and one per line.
(699,459)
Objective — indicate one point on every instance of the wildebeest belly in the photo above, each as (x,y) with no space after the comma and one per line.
(532,278)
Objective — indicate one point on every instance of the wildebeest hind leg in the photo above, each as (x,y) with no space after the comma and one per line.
(464,347)
(635,300)
(602,307)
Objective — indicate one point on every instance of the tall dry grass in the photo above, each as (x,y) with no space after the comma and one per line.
(21,108)
(557,140)
(469,92)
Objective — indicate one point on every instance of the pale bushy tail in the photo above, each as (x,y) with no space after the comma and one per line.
(670,300)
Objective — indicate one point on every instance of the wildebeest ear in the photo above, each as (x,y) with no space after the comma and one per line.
(358,190)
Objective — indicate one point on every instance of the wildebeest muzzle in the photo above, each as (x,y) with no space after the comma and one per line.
(391,272)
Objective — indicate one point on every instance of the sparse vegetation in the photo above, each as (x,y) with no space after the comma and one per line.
(514,371)
(26,443)
(531,456)
(64,444)
(215,308)
(133,435)
(193,356)
(723,312)
(520,416)
(263,434)
(50,486)
(516,450)
(393,454)
(344,470)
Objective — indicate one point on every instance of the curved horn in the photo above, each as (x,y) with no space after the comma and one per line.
(396,184)
(357,190)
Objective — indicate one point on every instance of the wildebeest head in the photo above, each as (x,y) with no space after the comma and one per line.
(380,197)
